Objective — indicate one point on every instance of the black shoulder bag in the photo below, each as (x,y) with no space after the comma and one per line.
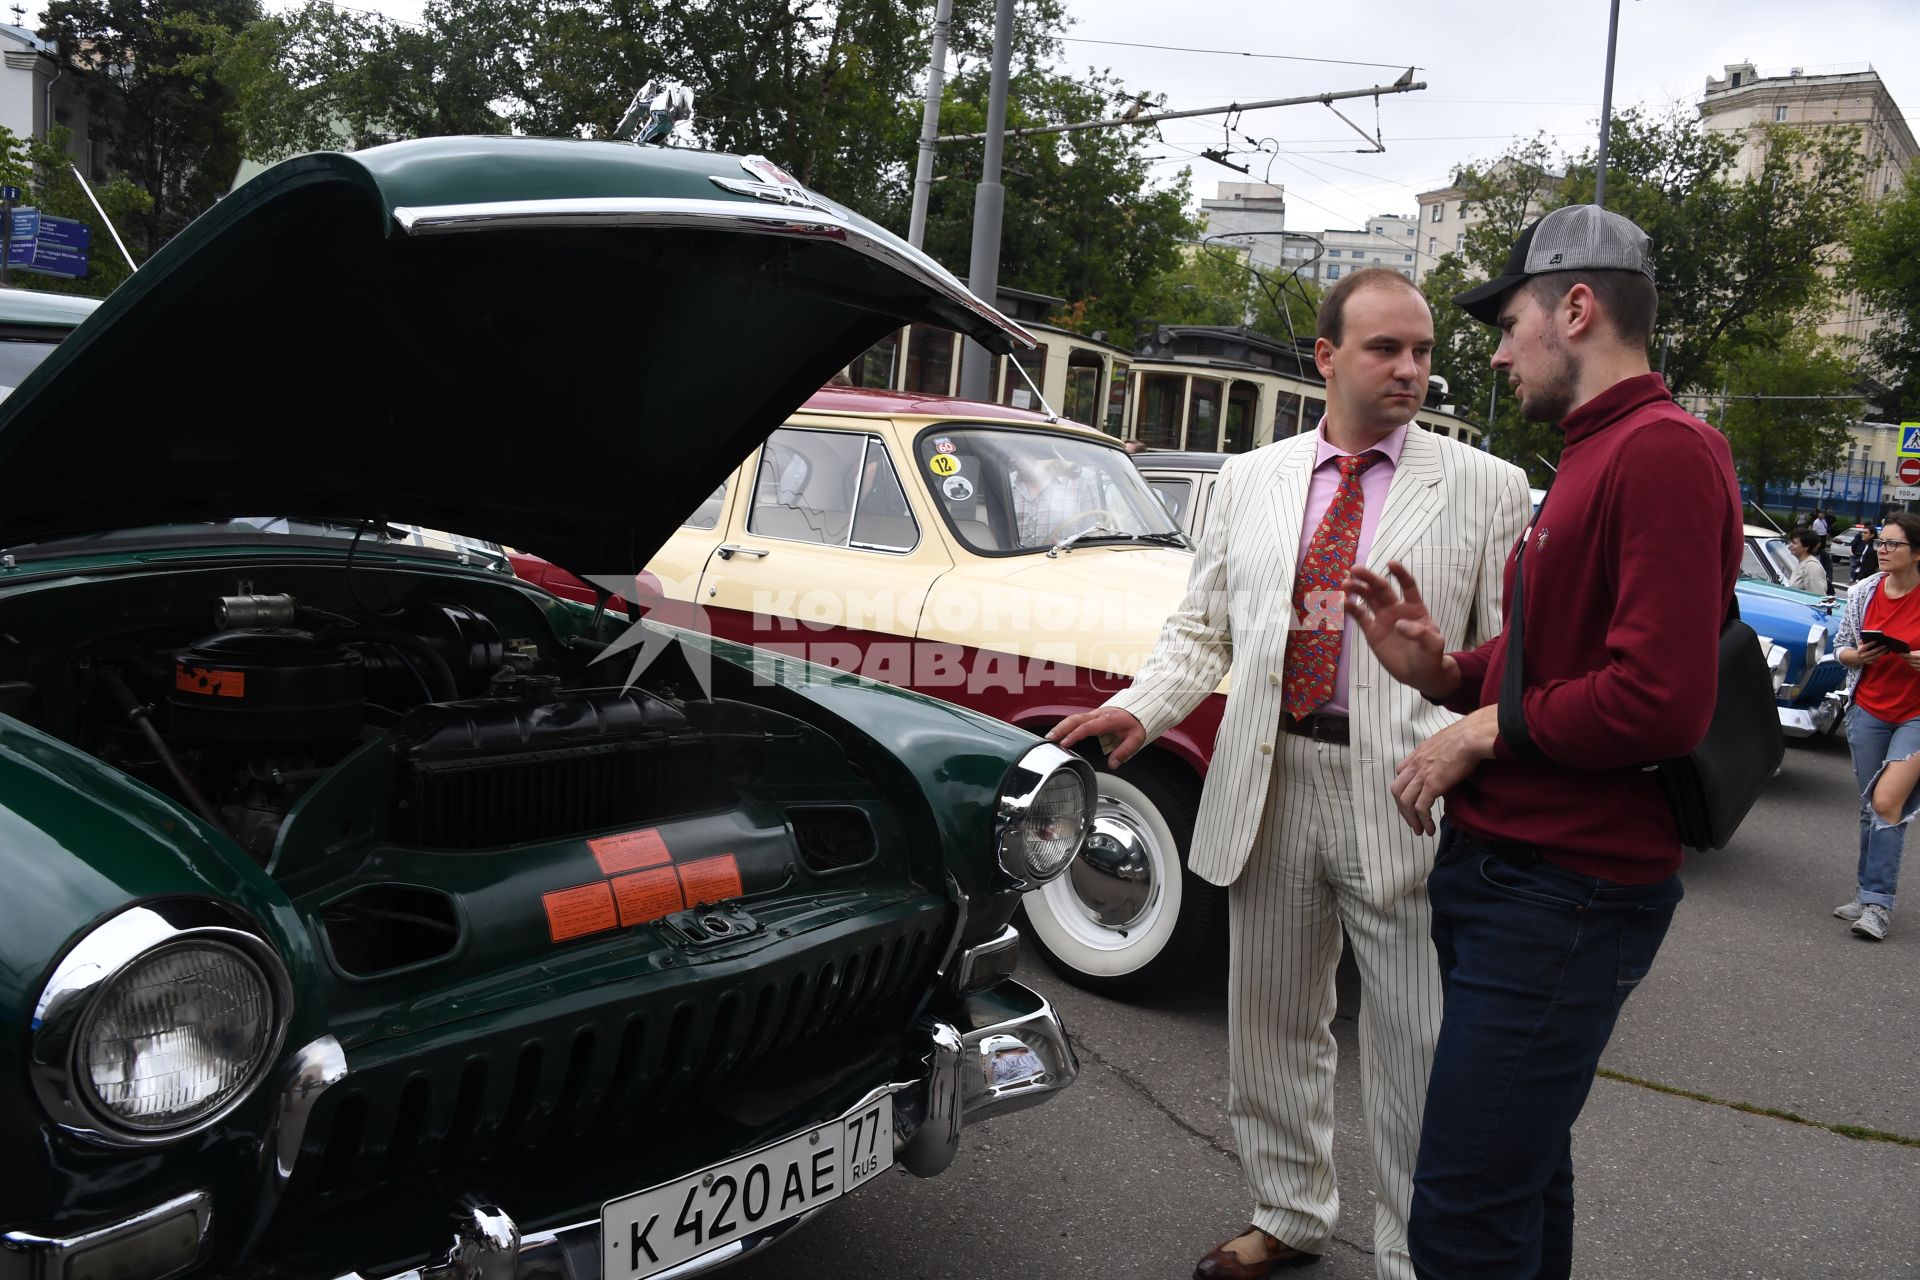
(1711,788)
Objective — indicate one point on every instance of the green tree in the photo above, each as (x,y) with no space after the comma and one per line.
(1205,284)
(1083,220)
(165,124)
(1740,259)
(318,78)
(42,167)
(1883,265)
(1789,439)
(827,89)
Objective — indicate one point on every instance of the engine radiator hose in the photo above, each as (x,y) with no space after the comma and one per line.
(141,717)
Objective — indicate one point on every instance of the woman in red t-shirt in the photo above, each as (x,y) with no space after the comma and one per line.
(1883,726)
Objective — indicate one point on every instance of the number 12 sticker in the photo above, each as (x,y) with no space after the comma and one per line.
(944,464)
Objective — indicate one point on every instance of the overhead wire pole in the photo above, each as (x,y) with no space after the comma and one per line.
(1033,131)
(983,266)
(989,200)
(1606,111)
(930,125)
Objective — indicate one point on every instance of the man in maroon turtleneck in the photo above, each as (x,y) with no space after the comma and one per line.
(1556,875)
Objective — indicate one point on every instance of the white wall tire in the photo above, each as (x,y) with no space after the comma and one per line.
(1129,918)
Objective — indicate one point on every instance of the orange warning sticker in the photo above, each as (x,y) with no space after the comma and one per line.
(584,909)
(629,851)
(710,879)
(209,682)
(647,895)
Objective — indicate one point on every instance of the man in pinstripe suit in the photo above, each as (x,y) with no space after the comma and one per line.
(1296,816)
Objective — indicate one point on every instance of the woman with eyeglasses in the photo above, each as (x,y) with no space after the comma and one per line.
(1883,725)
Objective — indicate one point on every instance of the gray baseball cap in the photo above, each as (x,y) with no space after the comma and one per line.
(1578,237)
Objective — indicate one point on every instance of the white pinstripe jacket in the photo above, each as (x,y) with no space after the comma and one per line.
(1451,515)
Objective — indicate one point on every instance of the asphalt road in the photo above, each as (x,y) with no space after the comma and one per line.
(1759,999)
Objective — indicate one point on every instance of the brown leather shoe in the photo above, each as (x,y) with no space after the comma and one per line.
(1222,1263)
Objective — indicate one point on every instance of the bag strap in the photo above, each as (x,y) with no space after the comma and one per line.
(1513,680)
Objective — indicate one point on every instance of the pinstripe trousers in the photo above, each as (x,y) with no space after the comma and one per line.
(1302,883)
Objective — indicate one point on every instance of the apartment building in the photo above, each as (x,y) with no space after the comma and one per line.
(1751,101)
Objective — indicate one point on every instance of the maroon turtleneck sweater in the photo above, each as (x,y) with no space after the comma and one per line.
(1633,558)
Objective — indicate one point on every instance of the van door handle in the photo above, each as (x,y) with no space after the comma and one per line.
(728,550)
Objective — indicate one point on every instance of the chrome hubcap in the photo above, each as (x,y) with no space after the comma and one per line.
(1116,879)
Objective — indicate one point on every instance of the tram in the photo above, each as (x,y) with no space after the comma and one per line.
(1208,388)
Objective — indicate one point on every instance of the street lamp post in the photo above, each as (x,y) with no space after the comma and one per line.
(1606,111)
(989,200)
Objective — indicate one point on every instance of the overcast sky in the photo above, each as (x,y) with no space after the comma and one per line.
(1495,70)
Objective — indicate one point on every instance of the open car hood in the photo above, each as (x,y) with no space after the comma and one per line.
(559,345)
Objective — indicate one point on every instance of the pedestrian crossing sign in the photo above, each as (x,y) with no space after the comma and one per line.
(1910,439)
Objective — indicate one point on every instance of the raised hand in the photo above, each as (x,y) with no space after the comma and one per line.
(1400,631)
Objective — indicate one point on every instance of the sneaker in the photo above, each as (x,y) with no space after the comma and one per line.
(1873,922)
(1849,910)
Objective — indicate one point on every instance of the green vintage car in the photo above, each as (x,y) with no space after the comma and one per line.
(369,912)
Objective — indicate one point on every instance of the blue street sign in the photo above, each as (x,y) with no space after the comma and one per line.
(10,194)
(52,246)
(1910,439)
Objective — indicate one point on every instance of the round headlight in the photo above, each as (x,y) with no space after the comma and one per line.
(1044,838)
(176,1036)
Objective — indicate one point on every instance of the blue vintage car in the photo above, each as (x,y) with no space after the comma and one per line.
(1812,694)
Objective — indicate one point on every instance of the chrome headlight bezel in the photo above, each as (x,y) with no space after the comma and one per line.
(1018,794)
(88,972)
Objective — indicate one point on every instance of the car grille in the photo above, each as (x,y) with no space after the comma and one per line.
(1826,678)
(592,1075)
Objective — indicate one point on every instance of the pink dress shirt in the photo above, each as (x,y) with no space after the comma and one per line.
(1374,482)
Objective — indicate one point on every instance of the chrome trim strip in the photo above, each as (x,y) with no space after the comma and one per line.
(964,980)
(316,1068)
(94,962)
(24,1256)
(705,215)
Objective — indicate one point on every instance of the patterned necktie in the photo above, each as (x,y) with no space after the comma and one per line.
(1319,622)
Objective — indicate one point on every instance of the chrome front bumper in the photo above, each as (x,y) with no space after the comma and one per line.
(1808,722)
(1016,1055)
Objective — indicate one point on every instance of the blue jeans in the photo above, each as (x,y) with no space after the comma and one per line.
(1874,742)
(1535,962)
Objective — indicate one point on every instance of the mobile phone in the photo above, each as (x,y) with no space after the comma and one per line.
(1885,641)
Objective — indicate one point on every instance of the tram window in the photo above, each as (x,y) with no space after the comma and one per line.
(1014,390)
(1203,416)
(1242,403)
(875,367)
(1081,401)
(930,360)
(1160,410)
(1316,410)
(1286,415)
(1117,400)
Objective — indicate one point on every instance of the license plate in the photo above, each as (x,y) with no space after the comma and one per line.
(651,1230)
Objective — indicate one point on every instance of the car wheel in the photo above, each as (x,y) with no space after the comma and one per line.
(1128,917)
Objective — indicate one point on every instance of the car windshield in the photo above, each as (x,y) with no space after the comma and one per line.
(1766,559)
(252,527)
(1006,490)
